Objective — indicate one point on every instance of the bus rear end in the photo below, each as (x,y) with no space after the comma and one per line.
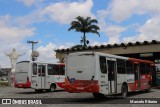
(22,79)
(80,73)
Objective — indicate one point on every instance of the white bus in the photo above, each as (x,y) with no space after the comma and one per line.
(39,76)
(105,74)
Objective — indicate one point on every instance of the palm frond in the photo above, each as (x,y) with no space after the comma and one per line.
(93,27)
(74,25)
(95,31)
(88,19)
(81,20)
(92,21)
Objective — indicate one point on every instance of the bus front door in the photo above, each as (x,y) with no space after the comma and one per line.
(41,76)
(112,81)
(137,77)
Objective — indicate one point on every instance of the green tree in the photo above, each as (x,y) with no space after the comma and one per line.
(85,25)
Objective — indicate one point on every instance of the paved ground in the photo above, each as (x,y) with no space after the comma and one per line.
(10,92)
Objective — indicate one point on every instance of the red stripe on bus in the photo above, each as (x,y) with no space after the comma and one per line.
(82,86)
(139,60)
(23,85)
(61,84)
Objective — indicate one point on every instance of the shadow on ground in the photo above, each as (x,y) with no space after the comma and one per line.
(111,99)
(43,92)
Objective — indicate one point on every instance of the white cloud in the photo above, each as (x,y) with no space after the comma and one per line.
(148,31)
(96,43)
(61,12)
(10,33)
(151,27)
(14,34)
(30,2)
(47,52)
(121,10)
(30,19)
(112,31)
(65,12)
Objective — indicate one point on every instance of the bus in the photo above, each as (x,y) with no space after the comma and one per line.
(39,76)
(104,74)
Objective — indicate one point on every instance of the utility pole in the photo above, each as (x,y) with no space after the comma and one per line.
(32,42)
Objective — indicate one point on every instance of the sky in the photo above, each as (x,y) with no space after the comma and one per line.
(47,21)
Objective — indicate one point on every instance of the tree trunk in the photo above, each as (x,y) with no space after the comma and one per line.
(84,39)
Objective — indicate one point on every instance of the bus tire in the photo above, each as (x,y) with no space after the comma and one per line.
(124,91)
(38,90)
(149,87)
(52,88)
(98,95)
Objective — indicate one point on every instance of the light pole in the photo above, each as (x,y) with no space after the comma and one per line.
(32,42)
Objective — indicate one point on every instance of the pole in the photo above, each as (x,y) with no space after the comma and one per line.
(32,42)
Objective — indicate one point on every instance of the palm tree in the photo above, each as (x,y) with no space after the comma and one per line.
(85,25)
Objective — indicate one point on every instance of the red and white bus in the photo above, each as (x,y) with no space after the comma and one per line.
(105,74)
(39,75)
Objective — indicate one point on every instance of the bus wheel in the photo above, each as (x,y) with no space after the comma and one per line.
(124,91)
(52,87)
(38,90)
(98,95)
(149,88)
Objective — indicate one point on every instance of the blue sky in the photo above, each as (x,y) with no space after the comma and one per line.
(47,21)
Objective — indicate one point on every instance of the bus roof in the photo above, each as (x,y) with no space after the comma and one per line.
(111,56)
(40,62)
(98,53)
(23,61)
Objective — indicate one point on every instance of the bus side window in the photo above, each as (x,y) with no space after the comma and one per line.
(155,76)
(148,69)
(52,69)
(61,70)
(43,70)
(56,69)
(34,69)
(129,67)
(111,70)
(142,68)
(103,65)
(121,66)
(39,71)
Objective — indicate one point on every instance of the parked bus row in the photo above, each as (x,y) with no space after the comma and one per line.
(88,72)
